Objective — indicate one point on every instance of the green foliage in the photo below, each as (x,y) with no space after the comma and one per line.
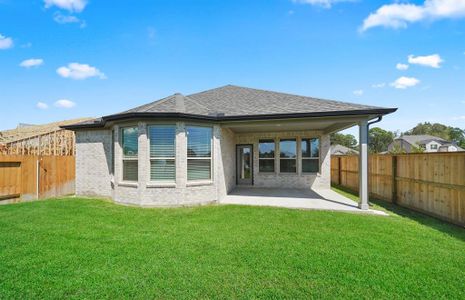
(379,139)
(440,130)
(347,140)
(90,249)
(396,149)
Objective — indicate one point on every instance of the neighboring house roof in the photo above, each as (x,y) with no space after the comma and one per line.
(342,150)
(239,103)
(24,131)
(420,139)
(423,139)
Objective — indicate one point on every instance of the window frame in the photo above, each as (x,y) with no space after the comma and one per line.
(288,158)
(310,157)
(265,140)
(150,158)
(190,181)
(129,158)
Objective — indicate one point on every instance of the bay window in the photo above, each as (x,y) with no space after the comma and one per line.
(310,155)
(130,145)
(162,152)
(288,156)
(199,153)
(266,154)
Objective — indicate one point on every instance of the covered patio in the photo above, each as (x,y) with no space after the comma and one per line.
(276,143)
(323,199)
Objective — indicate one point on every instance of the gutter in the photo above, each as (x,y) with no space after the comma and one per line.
(219,118)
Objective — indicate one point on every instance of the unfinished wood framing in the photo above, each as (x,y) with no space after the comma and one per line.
(59,143)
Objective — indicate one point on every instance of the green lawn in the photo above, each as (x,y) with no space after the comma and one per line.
(85,248)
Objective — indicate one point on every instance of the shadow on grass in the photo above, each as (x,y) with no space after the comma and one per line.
(453,230)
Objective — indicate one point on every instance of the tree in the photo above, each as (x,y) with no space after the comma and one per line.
(448,133)
(347,140)
(379,139)
(457,135)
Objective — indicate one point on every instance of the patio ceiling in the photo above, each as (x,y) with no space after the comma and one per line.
(325,124)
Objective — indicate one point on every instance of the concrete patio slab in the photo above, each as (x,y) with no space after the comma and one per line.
(324,199)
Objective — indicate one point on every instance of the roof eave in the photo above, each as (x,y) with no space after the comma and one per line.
(215,118)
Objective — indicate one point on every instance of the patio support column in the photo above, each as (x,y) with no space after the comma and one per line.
(363,165)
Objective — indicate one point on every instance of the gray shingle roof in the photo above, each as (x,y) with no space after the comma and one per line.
(239,101)
(421,139)
(234,102)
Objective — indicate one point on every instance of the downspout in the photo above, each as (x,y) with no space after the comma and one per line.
(375,121)
(371,123)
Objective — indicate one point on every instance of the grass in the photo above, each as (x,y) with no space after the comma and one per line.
(87,248)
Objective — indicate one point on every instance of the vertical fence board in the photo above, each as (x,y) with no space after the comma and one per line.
(18,177)
(433,183)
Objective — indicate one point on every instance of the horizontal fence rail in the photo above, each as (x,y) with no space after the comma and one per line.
(28,177)
(432,183)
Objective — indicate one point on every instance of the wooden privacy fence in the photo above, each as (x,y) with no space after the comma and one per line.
(433,183)
(35,177)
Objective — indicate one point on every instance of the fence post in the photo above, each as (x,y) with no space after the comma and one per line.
(339,170)
(394,181)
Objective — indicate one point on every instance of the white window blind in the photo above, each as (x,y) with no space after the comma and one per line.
(199,152)
(162,152)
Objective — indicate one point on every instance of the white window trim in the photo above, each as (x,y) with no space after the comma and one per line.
(267,158)
(311,158)
(161,183)
(128,183)
(198,182)
(288,158)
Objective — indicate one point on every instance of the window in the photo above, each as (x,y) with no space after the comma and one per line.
(288,156)
(310,155)
(266,153)
(162,152)
(199,153)
(129,140)
(434,146)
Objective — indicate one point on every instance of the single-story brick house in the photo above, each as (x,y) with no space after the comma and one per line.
(195,149)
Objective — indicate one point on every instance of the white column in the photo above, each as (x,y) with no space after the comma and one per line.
(363,164)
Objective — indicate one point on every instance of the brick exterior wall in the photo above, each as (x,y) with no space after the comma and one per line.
(290,180)
(93,163)
(94,176)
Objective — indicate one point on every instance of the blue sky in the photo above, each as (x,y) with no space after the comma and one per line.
(62,59)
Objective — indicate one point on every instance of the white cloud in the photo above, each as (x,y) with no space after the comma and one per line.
(378,85)
(33,62)
(5,42)
(65,103)
(433,61)
(70,5)
(459,118)
(322,3)
(405,82)
(41,105)
(399,15)
(62,19)
(358,93)
(402,67)
(79,71)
